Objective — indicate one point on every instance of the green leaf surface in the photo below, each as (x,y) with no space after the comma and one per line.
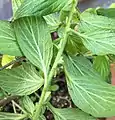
(65,13)
(40,7)
(53,21)
(74,45)
(97,33)
(16,4)
(102,66)
(106,12)
(11,116)
(42,117)
(87,89)
(28,104)
(35,41)
(8,43)
(112,5)
(22,80)
(71,114)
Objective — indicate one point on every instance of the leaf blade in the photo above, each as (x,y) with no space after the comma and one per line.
(35,7)
(101,65)
(71,114)
(97,33)
(8,43)
(22,80)
(35,41)
(11,116)
(87,89)
(28,104)
(16,4)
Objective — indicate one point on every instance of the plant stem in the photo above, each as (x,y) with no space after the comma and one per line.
(19,107)
(14,108)
(60,52)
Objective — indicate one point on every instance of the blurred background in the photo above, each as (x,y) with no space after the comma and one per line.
(6,11)
(84,4)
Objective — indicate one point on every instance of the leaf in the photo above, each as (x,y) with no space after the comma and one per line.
(22,80)
(40,7)
(28,104)
(16,4)
(35,41)
(74,45)
(42,118)
(97,33)
(87,89)
(7,59)
(65,13)
(53,21)
(8,43)
(101,65)
(106,12)
(11,116)
(112,5)
(55,49)
(71,114)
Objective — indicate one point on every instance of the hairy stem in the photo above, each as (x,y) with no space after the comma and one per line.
(60,52)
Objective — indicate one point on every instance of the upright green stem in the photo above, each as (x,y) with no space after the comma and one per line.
(60,52)
(63,42)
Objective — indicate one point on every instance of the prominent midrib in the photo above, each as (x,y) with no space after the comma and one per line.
(38,51)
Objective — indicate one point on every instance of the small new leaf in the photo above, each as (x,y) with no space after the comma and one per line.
(102,66)
(74,45)
(53,21)
(28,104)
(16,4)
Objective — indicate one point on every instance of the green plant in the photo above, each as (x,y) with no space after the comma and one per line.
(84,48)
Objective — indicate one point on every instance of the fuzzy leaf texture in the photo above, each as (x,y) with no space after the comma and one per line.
(71,114)
(11,116)
(102,66)
(87,89)
(8,43)
(22,80)
(97,33)
(40,7)
(35,41)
